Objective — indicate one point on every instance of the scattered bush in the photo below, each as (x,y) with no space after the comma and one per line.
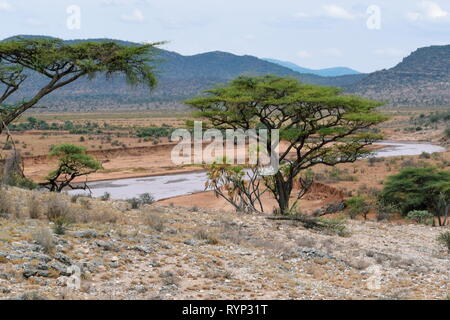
(444,239)
(5,204)
(358,206)
(209,237)
(134,202)
(145,198)
(56,208)
(44,238)
(334,226)
(447,132)
(425,155)
(420,216)
(385,212)
(60,225)
(154,221)
(34,209)
(106,196)
(415,189)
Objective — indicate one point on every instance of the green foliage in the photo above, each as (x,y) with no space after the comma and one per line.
(146,198)
(143,199)
(106,196)
(444,239)
(334,226)
(154,132)
(73,162)
(60,225)
(332,127)
(22,182)
(416,189)
(385,211)
(62,63)
(447,132)
(420,216)
(358,206)
(321,125)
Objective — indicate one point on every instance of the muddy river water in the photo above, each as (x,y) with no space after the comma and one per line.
(168,186)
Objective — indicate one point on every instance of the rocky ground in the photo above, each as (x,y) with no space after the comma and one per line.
(180,253)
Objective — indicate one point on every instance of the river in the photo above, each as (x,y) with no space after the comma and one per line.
(169,186)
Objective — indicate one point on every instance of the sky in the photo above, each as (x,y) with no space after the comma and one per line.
(366,35)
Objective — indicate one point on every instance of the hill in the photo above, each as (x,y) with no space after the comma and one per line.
(421,79)
(178,253)
(328,72)
(180,77)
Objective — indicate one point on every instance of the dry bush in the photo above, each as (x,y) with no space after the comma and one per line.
(305,241)
(44,238)
(56,208)
(209,237)
(154,221)
(101,216)
(6,206)
(34,207)
(233,232)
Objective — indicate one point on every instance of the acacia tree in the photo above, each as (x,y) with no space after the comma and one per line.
(419,189)
(61,64)
(318,124)
(73,162)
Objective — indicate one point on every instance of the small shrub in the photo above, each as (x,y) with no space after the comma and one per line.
(5,204)
(358,206)
(106,196)
(135,203)
(74,198)
(44,238)
(22,182)
(154,221)
(425,155)
(60,225)
(447,132)
(56,208)
(34,209)
(86,204)
(209,237)
(146,198)
(334,226)
(384,211)
(420,216)
(444,239)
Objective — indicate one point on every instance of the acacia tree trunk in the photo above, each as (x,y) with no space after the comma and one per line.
(283,192)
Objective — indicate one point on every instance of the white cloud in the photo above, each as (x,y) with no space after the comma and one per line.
(135,16)
(390,52)
(303,54)
(337,12)
(429,10)
(4,5)
(433,10)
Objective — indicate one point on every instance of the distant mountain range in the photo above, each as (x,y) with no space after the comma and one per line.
(328,72)
(421,79)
